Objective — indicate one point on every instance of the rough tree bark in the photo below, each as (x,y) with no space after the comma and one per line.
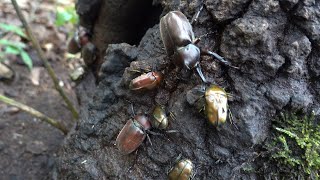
(276,45)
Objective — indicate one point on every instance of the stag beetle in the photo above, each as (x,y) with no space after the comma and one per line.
(183,170)
(180,42)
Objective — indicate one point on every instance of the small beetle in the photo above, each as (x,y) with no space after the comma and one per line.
(160,119)
(80,38)
(183,170)
(180,42)
(133,134)
(216,104)
(146,81)
(88,53)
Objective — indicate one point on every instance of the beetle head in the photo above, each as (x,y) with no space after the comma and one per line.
(143,121)
(188,56)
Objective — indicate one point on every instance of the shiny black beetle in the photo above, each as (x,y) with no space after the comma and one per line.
(180,42)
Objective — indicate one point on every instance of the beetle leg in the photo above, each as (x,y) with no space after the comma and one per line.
(198,68)
(153,133)
(141,70)
(218,57)
(134,114)
(202,109)
(172,131)
(194,173)
(231,119)
(197,40)
(195,17)
(149,139)
(172,115)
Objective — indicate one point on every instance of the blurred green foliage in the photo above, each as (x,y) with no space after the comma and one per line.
(297,144)
(65,15)
(13,47)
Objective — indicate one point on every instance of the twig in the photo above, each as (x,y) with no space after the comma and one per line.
(35,113)
(53,76)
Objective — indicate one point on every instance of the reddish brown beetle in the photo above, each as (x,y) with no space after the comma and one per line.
(80,38)
(146,81)
(133,134)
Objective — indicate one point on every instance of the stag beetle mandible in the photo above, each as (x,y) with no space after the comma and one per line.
(180,42)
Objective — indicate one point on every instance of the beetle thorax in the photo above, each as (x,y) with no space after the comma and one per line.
(142,122)
(187,56)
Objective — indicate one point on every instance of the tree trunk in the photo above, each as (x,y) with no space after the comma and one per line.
(274,43)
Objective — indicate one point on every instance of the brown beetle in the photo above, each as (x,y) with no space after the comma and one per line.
(88,53)
(180,42)
(216,104)
(133,134)
(80,38)
(183,170)
(146,81)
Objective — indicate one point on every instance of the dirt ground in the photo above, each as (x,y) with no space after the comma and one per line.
(27,145)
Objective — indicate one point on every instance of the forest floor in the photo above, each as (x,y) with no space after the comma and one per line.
(27,145)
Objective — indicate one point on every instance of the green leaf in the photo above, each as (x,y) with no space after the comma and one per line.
(66,15)
(2,55)
(12,50)
(26,59)
(18,45)
(12,28)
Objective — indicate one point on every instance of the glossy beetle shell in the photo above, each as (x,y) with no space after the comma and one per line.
(175,31)
(147,81)
(88,53)
(182,170)
(177,36)
(216,104)
(80,39)
(160,119)
(73,46)
(132,134)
